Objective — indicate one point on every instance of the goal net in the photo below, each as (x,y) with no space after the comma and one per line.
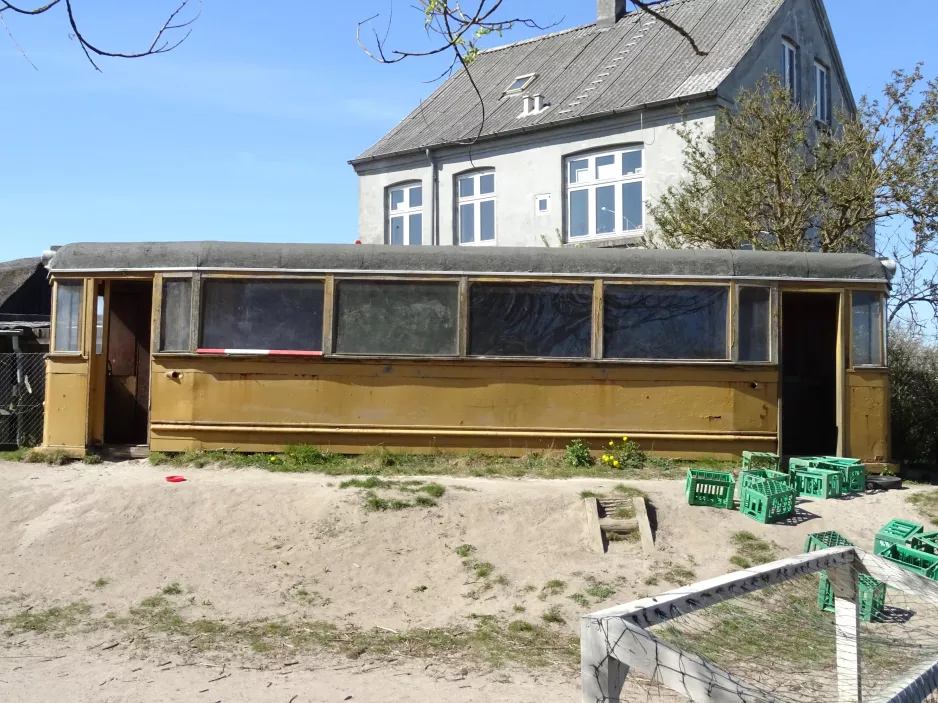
(834,625)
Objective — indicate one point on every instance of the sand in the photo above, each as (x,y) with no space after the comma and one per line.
(247,543)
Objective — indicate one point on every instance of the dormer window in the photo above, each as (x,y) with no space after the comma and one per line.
(520,83)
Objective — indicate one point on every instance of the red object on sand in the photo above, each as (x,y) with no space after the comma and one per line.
(175,479)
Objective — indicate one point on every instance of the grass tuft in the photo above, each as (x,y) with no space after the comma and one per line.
(926,502)
(751,550)
(52,457)
(56,618)
(173,589)
(554,587)
(553,616)
(580,600)
(464,550)
(101,582)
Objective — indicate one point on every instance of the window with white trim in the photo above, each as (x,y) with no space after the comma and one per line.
(605,194)
(405,214)
(790,68)
(822,93)
(520,83)
(475,207)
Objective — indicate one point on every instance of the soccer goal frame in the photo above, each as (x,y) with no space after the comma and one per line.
(616,641)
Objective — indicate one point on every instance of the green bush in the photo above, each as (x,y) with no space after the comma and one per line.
(624,454)
(577,454)
(914,373)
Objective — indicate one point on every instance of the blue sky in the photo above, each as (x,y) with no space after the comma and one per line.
(244,132)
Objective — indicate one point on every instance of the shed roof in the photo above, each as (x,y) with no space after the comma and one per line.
(587,72)
(665,263)
(14,274)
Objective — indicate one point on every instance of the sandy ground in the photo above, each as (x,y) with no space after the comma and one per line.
(248,543)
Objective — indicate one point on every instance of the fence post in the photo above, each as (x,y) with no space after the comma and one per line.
(602,677)
(847,628)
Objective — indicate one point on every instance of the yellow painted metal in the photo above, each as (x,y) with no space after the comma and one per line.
(868,407)
(66,408)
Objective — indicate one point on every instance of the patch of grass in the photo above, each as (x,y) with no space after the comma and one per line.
(173,589)
(518,608)
(52,457)
(464,550)
(626,512)
(433,489)
(553,616)
(598,589)
(926,502)
(580,600)
(15,455)
(419,589)
(651,581)
(483,569)
(554,587)
(101,582)
(424,501)
(91,459)
(633,536)
(501,580)
(678,575)
(629,491)
(154,602)
(56,618)
(751,550)
(370,483)
(589,494)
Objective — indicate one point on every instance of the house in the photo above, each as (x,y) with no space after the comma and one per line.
(25,306)
(576,139)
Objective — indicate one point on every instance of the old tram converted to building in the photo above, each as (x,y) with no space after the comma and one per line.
(257,346)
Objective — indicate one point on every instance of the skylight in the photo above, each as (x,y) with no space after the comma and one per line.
(520,83)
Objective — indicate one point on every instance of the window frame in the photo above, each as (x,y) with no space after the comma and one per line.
(195,322)
(591,184)
(199,316)
(515,91)
(822,93)
(78,351)
(405,212)
(773,322)
(475,201)
(880,335)
(729,335)
(790,68)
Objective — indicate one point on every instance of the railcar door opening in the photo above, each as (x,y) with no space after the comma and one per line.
(809,374)
(127,385)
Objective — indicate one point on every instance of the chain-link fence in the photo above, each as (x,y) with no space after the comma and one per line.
(22,396)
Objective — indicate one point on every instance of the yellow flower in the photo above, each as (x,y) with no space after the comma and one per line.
(625,439)
(616,464)
(611,443)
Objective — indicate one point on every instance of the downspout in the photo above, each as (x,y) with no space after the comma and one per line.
(434,200)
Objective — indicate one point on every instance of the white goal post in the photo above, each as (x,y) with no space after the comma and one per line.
(616,641)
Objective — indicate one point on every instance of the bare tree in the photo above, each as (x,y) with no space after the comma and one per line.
(166,39)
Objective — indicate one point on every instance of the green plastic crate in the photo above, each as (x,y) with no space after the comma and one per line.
(824,540)
(843,460)
(761,460)
(897,532)
(871,600)
(803,462)
(749,476)
(924,542)
(768,501)
(714,489)
(912,560)
(852,475)
(816,483)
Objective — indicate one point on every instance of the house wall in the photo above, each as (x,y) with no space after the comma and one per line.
(525,166)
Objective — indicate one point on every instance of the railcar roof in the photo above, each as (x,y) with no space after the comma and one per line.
(568,261)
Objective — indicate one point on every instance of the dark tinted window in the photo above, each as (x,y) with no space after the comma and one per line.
(396,318)
(175,311)
(866,313)
(754,324)
(664,322)
(530,320)
(265,315)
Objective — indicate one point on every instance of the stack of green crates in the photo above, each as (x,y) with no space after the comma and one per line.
(767,501)
(823,540)
(925,542)
(895,532)
(852,471)
(747,477)
(715,489)
(816,483)
(871,600)
(761,460)
(913,560)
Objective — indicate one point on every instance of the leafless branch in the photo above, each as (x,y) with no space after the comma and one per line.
(164,41)
(648,5)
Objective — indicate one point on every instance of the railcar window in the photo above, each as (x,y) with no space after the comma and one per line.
(397,318)
(67,315)
(261,315)
(867,328)
(755,323)
(530,319)
(664,322)
(176,310)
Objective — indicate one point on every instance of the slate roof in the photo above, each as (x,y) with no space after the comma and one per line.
(587,72)
(363,258)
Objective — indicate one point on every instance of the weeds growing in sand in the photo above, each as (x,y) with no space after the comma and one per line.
(91,459)
(173,589)
(53,457)
(580,600)
(676,574)
(598,589)
(56,618)
(926,502)
(577,454)
(101,582)
(553,615)
(751,550)
(464,550)
(554,587)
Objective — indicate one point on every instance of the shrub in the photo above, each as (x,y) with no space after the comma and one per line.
(577,454)
(624,454)
(914,370)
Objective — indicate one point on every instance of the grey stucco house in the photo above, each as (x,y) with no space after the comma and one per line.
(577,136)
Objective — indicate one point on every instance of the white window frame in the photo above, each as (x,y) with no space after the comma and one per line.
(591,183)
(475,201)
(790,68)
(514,91)
(822,93)
(405,210)
(537,201)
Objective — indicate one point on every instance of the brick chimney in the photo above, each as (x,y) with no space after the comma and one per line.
(608,12)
